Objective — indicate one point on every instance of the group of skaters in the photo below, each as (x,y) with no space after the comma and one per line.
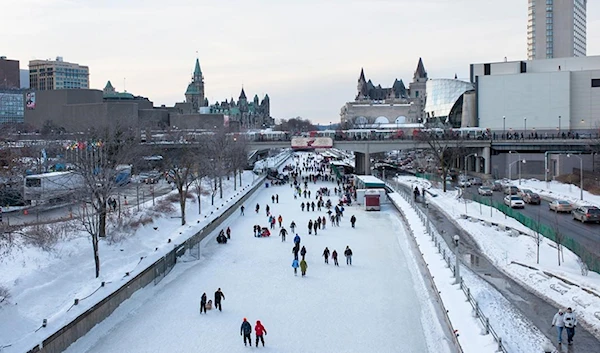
(207,305)
(223,236)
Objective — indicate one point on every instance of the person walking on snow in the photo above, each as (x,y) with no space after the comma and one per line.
(302,206)
(279,219)
(297,239)
(295,250)
(268,209)
(348,254)
(303,252)
(283,233)
(218,296)
(310,224)
(257,208)
(293,227)
(353,220)
(326,255)
(259,330)
(246,331)
(334,257)
(303,267)
(228,232)
(203,303)
(559,322)
(295,266)
(242,210)
(323,221)
(570,322)
(272,198)
(315,226)
(277,198)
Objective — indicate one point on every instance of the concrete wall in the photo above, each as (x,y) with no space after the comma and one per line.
(540,97)
(154,118)
(80,117)
(585,100)
(49,104)
(197,121)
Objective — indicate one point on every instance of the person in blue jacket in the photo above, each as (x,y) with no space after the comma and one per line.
(246,331)
(295,265)
(297,239)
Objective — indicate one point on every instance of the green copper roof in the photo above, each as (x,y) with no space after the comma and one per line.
(192,89)
(197,70)
(118,95)
(108,86)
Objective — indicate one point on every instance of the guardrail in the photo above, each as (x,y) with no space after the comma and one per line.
(71,332)
(450,259)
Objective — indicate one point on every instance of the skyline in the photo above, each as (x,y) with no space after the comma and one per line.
(306,56)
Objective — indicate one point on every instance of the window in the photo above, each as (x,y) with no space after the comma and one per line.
(596,82)
(487,69)
(33,182)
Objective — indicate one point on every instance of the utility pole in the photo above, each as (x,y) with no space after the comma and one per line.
(456,239)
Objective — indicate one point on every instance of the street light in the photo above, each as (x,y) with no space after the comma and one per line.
(580,175)
(525,127)
(518,159)
(510,169)
(559,125)
(504,126)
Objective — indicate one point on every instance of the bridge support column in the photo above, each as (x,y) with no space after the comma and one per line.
(487,159)
(367,164)
(362,163)
(477,165)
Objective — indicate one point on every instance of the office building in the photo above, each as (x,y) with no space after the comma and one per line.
(47,75)
(9,74)
(556,29)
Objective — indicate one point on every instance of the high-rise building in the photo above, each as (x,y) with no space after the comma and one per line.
(556,29)
(9,74)
(48,75)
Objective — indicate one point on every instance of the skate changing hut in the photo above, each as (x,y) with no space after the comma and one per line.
(372,202)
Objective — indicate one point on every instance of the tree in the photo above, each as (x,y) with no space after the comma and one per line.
(538,238)
(238,159)
(94,160)
(559,238)
(444,150)
(296,124)
(219,147)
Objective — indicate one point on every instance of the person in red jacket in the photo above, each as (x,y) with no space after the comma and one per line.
(259,329)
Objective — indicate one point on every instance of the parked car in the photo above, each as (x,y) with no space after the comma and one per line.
(485,191)
(497,186)
(511,190)
(531,197)
(476,181)
(587,214)
(560,206)
(522,192)
(464,183)
(513,201)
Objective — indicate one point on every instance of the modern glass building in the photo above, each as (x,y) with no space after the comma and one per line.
(48,75)
(444,101)
(556,29)
(12,106)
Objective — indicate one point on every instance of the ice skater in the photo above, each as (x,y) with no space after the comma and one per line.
(218,296)
(246,331)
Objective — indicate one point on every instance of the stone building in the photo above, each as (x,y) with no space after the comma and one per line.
(378,105)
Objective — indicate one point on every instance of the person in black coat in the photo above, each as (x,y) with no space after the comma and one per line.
(246,331)
(326,255)
(218,296)
(353,220)
(203,303)
(348,254)
(303,252)
(295,250)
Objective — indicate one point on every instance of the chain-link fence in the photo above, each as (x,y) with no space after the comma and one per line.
(591,259)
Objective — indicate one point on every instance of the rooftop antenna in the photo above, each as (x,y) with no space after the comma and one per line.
(124,87)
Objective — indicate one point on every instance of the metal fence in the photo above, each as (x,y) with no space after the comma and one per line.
(591,259)
(450,259)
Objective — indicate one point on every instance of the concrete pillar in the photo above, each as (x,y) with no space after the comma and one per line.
(367,164)
(487,158)
(359,163)
(477,165)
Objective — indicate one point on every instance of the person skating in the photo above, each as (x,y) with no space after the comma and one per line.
(280,220)
(326,255)
(283,233)
(228,232)
(218,296)
(303,252)
(559,322)
(334,255)
(277,198)
(203,303)
(312,206)
(242,210)
(259,330)
(295,250)
(315,226)
(272,198)
(323,221)
(352,220)
(257,208)
(295,266)
(348,254)
(303,267)
(297,240)
(293,227)
(310,225)
(268,209)
(302,206)
(246,331)
(570,322)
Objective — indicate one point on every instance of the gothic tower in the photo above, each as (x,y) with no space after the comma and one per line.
(417,90)
(362,86)
(195,91)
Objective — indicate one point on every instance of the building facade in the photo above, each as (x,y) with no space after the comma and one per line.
(9,74)
(12,106)
(194,94)
(546,96)
(556,29)
(378,105)
(58,74)
(445,103)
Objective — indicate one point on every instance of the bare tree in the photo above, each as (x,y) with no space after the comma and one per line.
(94,160)
(538,238)
(238,159)
(219,146)
(559,238)
(444,150)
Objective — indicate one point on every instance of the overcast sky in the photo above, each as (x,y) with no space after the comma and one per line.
(306,54)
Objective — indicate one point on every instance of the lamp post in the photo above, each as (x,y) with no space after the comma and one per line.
(518,159)
(580,175)
(510,169)
(466,180)
(559,117)
(504,127)
(467,156)
(524,127)
(456,239)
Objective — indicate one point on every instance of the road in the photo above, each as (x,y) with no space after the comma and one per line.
(47,214)
(586,234)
